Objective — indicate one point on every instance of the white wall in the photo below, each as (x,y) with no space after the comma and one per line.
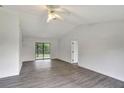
(101,47)
(9,44)
(20,47)
(29,48)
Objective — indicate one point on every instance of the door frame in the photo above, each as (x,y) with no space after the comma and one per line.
(74,52)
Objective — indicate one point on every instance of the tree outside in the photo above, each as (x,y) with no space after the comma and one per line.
(42,50)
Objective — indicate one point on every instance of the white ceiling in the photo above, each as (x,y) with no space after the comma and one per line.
(33,19)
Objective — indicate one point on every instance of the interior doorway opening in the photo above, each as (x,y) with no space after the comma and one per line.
(42,50)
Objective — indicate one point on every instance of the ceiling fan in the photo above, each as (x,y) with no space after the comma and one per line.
(54,12)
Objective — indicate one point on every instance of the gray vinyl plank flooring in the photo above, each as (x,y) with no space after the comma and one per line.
(58,74)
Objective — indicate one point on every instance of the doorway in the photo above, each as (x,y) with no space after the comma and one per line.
(42,50)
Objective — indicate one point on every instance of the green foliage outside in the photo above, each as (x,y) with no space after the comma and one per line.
(42,50)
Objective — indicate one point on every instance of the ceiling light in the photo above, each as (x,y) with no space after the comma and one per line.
(54,12)
(51,16)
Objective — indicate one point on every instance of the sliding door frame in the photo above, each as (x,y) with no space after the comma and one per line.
(43,50)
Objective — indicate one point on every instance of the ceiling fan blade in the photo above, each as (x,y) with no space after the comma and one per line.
(45,8)
(56,8)
(48,20)
(62,10)
(52,7)
(58,16)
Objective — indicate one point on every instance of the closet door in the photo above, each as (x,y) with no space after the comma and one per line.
(74,52)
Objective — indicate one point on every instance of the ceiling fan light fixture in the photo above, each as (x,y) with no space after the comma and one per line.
(52,13)
(51,16)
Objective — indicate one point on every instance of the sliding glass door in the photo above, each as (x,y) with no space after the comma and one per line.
(42,50)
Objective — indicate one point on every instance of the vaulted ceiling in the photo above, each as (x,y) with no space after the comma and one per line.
(33,18)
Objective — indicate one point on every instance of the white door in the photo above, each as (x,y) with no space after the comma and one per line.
(74,52)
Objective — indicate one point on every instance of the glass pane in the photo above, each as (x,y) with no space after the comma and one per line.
(46,50)
(39,50)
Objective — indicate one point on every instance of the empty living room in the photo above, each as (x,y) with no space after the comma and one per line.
(61,46)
